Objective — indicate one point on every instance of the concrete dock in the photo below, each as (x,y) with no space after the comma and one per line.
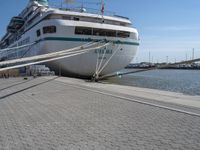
(57,113)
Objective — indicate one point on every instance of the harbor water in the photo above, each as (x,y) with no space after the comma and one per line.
(182,81)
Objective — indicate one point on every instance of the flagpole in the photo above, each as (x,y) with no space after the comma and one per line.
(102,7)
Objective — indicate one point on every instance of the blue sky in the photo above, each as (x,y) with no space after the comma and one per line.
(166,27)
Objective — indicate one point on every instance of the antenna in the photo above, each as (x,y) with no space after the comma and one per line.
(102,7)
(61,4)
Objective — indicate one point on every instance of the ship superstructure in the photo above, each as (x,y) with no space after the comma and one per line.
(55,29)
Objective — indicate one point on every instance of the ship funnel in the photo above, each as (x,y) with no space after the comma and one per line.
(42,2)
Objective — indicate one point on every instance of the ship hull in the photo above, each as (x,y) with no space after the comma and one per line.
(104,61)
(63,36)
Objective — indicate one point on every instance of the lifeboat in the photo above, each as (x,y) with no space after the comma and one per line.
(15,24)
(11,29)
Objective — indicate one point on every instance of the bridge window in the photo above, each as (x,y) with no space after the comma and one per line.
(83,31)
(49,29)
(123,34)
(111,33)
(101,32)
(104,32)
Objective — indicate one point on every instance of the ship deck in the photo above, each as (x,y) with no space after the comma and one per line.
(64,113)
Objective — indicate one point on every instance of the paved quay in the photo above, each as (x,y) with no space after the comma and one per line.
(57,113)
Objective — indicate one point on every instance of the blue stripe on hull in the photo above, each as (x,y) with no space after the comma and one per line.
(86,40)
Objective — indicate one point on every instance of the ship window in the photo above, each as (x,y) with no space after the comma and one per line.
(103,32)
(111,33)
(99,32)
(38,33)
(76,18)
(123,34)
(49,29)
(83,31)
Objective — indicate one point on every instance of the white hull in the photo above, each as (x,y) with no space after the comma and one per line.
(123,49)
(85,64)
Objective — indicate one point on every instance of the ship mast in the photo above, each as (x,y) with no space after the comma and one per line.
(102,7)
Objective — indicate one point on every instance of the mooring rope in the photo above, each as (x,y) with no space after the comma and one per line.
(66,55)
(17,47)
(106,63)
(46,56)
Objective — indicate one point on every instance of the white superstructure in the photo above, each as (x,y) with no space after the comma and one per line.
(59,29)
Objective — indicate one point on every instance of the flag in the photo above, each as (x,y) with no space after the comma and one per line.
(102,8)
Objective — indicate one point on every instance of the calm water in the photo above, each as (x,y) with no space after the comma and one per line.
(183,81)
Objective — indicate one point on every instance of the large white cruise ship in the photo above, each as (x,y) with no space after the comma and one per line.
(57,29)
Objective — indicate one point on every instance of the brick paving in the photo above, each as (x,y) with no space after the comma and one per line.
(40,115)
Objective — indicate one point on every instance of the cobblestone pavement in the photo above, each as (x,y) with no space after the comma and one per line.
(42,115)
